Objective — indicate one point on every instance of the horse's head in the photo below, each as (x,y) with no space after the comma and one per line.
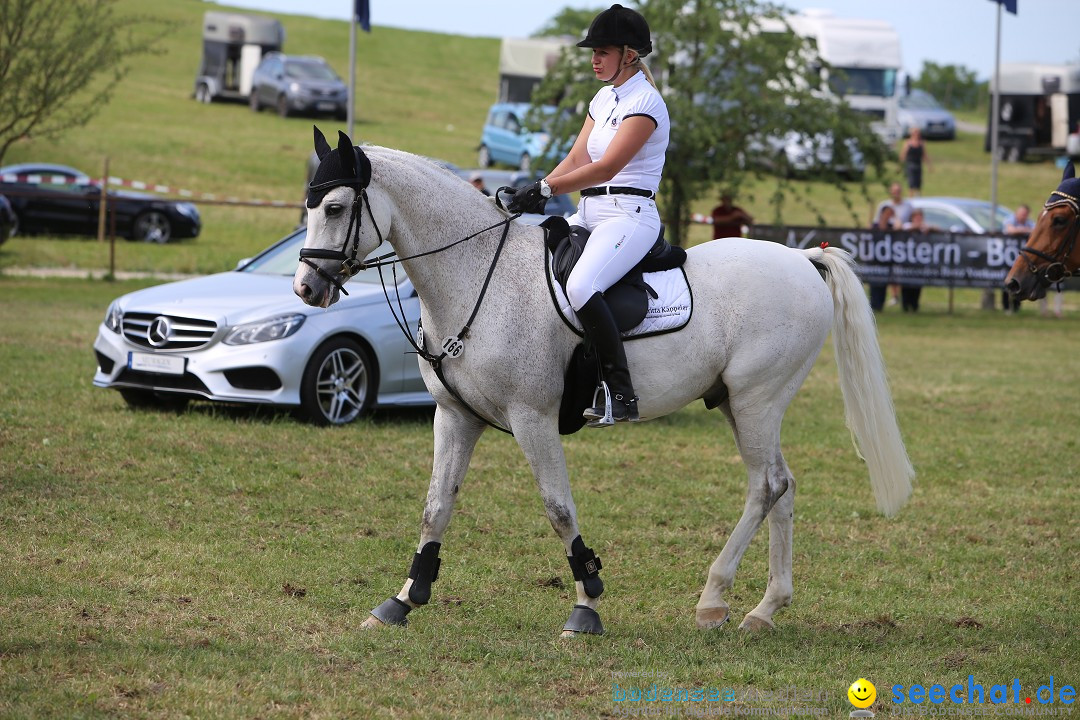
(344,225)
(1051,253)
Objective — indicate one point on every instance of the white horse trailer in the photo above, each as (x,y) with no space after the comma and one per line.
(864,60)
(1039,107)
(233,45)
(523,63)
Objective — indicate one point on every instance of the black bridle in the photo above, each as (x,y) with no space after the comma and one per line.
(350,265)
(1055,270)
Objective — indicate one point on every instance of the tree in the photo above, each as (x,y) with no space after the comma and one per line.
(568,21)
(732,89)
(954,86)
(60,61)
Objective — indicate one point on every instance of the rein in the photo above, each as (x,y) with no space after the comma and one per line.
(1056,270)
(452,347)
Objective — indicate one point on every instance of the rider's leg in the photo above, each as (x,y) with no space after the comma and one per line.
(600,328)
(624,228)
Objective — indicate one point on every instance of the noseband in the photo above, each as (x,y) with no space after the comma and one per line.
(1056,271)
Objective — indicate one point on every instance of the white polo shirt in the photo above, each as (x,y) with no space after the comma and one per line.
(609,107)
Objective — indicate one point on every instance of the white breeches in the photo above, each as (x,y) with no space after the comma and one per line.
(624,228)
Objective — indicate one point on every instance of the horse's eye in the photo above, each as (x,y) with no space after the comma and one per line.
(1059,221)
(334,209)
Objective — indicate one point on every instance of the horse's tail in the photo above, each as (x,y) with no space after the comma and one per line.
(868,406)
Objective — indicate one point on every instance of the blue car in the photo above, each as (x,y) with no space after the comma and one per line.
(508,140)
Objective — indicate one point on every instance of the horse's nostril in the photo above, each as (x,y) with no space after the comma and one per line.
(1013,286)
(305,291)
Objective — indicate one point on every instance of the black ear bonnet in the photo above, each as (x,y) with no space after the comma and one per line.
(344,165)
(1068,192)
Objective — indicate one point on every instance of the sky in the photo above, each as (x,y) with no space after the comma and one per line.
(948,32)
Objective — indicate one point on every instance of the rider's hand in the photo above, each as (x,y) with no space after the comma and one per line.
(528,200)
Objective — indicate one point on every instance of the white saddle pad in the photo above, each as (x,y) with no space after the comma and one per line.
(669,311)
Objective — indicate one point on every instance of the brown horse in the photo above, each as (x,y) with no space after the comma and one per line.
(1051,253)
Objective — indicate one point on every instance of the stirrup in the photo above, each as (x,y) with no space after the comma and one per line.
(603,415)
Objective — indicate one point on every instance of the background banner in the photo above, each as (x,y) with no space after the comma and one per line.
(911,258)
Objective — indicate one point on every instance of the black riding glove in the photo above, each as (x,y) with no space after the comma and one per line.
(527,200)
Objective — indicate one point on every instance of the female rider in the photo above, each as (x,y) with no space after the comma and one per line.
(616,163)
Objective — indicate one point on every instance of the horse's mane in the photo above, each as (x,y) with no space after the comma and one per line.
(431,185)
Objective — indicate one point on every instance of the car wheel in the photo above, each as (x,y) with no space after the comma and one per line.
(150,400)
(253,101)
(152,226)
(526,163)
(202,93)
(283,106)
(483,158)
(339,383)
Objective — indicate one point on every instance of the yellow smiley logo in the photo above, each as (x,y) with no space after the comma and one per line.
(862,693)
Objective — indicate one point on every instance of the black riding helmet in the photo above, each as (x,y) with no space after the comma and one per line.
(619,26)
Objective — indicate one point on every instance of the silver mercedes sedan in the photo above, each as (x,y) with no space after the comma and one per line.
(244,337)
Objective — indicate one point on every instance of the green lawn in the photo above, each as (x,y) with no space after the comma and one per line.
(217,563)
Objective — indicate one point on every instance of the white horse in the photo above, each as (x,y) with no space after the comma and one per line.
(762,313)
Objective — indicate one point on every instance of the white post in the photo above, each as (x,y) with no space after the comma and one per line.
(995,113)
(352,73)
(995,117)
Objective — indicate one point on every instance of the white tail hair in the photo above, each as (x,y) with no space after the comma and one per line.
(868,406)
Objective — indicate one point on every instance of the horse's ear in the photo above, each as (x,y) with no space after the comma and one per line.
(345,152)
(322,148)
(1070,172)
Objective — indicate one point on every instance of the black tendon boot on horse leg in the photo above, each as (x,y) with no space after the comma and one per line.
(603,333)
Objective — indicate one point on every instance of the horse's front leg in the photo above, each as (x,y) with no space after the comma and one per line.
(456,434)
(538,437)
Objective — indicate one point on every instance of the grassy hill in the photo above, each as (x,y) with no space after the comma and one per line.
(426,93)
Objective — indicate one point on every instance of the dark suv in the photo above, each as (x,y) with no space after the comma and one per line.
(298,84)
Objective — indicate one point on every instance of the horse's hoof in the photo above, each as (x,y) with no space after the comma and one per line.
(583,621)
(570,634)
(753,623)
(714,617)
(372,623)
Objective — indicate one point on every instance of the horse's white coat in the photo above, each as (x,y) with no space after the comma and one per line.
(762,313)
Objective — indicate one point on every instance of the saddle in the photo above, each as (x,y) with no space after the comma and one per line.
(629,300)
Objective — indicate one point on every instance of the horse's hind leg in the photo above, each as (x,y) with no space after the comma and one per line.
(758,438)
(455,438)
(781,528)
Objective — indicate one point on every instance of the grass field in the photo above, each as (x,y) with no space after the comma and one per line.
(217,563)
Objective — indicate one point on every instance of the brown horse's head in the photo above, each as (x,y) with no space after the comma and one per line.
(1051,253)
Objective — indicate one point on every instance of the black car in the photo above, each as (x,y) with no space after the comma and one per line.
(294,84)
(60,200)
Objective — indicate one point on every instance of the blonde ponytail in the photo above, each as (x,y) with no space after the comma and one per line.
(638,64)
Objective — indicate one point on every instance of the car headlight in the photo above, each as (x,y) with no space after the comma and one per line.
(188,210)
(294,87)
(114,317)
(264,330)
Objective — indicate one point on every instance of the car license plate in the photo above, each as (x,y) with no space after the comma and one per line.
(326,106)
(162,364)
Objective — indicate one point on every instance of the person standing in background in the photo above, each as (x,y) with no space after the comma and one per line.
(728,219)
(912,155)
(1019,223)
(885,220)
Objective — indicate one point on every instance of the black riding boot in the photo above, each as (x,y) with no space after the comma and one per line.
(603,333)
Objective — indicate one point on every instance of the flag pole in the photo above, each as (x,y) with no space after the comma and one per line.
(352,73)
(995,118)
